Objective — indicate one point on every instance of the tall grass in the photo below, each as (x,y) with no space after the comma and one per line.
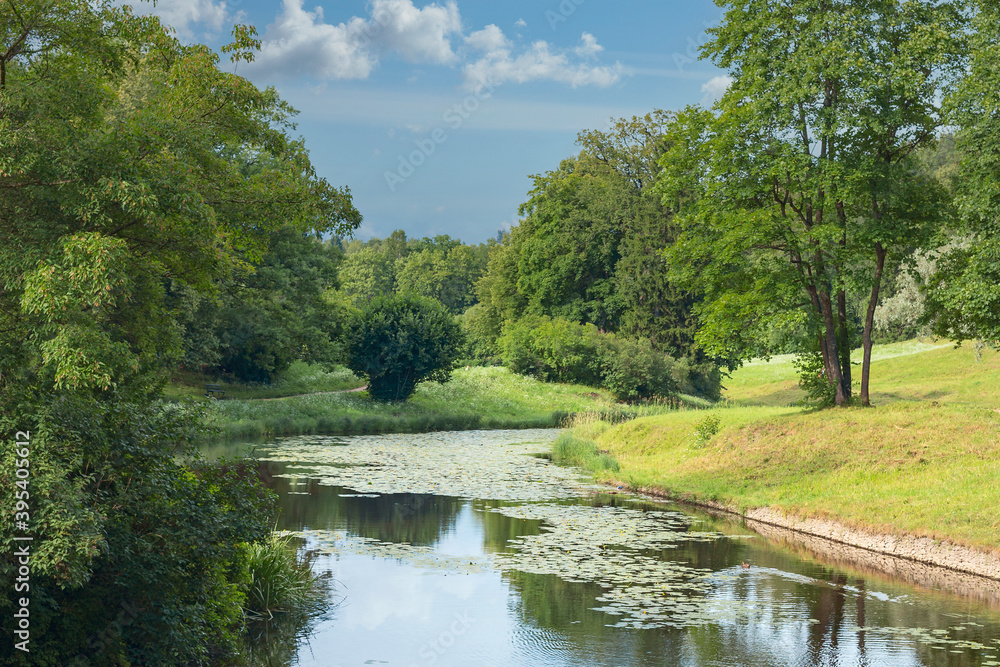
(280,581)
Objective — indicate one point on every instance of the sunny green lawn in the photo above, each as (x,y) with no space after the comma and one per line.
(475,398)
(924,461)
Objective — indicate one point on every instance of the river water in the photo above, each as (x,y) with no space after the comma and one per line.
(469,549)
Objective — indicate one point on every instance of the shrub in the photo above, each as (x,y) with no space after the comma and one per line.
(553,350)
(812,379)
(633,370)
(137,556)
(397,341)
(557,350)
(705,429)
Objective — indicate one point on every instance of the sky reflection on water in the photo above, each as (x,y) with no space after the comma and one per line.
(447,599)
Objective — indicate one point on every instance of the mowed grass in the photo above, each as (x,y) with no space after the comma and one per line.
(478,398)
(925,461)
(776,382)
(300,378)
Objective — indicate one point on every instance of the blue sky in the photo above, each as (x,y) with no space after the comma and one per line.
(435,115)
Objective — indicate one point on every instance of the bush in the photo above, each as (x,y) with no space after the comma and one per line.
(812,379)
(632,370)
(557,350)
(398,341)
(705,429)
(553,350)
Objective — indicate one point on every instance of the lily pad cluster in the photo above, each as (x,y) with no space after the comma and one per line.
(607,546)
(426,558)
(481,465)
(942,639)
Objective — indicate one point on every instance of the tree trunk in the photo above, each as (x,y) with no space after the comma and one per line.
(844,340)
(866,336)
(832,358)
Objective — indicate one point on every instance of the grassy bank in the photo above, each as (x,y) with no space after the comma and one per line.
(475,398)
(924,462)
(300,379)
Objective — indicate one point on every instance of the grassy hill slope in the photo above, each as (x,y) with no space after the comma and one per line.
(925,461)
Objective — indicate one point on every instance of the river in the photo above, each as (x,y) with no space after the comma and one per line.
(470,549)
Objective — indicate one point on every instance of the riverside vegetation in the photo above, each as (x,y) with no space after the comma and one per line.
(924,462)
(476,398)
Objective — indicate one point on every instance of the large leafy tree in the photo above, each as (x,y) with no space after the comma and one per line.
(801,186)
(964,299)
(398,341)
(267,316)
(128,161)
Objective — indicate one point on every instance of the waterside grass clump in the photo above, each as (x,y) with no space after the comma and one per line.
(281,581)
(923,463)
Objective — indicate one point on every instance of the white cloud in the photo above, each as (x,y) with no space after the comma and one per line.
(299,42)
(419,35)
(521,23)
(588,47)
(487,40)
(715,88)
(541,63)
(189,17)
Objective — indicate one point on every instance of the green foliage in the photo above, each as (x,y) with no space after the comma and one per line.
(280,581)
(558,350)
(131,164)
(553,350)
(127,159)
(482,329)
(121,523)
(706,429)
(812,380)
(441,268)
(447,274)
(266,317)
(794,198)
(396,342)
(963,298)
(633,370)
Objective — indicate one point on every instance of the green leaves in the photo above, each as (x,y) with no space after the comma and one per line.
(795,190)
(397,342)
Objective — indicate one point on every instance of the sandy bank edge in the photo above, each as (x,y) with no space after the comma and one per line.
(917,549)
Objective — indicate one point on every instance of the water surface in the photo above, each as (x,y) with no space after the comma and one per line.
(464,549)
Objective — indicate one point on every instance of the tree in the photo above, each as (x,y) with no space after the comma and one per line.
(963,298)
(269,315)
(127,162)
(801,186)
(398,341)
(448,274)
